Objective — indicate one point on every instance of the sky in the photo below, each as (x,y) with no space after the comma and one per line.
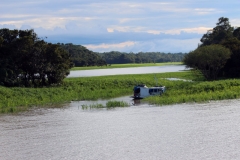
(169,26)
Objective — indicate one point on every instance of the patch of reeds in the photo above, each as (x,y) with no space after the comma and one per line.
(111,104)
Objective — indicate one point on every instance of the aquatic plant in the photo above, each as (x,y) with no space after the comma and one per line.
(111,104)
(93,106)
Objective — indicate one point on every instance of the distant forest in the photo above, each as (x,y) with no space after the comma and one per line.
(81,56)
(115,57)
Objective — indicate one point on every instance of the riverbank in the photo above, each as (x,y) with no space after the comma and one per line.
(128,65)
(107,87)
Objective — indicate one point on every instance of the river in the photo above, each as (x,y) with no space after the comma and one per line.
(142,131)
(133,70)
(182,132)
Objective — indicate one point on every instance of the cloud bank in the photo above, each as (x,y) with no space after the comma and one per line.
(129,26)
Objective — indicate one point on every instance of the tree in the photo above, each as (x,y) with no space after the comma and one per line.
(57,64)
(209,60)
(232,67)
(28,60)
(218,34)
(236,33)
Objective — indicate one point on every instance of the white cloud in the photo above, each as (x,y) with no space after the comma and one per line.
(198,30)
(235,22)
(165,45)
(109,47)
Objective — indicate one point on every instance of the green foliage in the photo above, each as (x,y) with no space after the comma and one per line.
(26,60)
(232,68)
(209,60)
(218,34)
(236,33)
(223,34)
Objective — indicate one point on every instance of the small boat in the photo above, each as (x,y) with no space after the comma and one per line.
(142,91)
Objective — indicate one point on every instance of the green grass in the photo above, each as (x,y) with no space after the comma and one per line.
(107,87)
(126,65)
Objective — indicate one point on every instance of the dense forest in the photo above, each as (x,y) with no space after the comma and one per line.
(219,54)
(81,56)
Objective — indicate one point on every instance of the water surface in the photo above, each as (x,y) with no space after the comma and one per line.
(134,70)
(183,132)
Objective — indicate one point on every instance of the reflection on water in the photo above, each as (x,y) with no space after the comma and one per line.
(183,132)
(118,71)
(127,99)
(136,102)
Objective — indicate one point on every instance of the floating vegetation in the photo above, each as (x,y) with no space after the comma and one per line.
(93,106)
(109,104)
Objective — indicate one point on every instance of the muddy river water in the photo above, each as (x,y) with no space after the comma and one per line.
(194,131)
(133,70)
(141,131)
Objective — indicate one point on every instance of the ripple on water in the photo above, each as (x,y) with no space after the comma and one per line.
(186,131)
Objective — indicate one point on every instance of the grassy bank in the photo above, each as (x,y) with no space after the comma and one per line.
(106,87)
(126,65)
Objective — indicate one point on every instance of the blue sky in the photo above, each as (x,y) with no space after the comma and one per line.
(119,25)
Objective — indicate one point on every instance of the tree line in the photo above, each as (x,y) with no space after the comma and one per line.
(218,55)
(115,57)
(81,56)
